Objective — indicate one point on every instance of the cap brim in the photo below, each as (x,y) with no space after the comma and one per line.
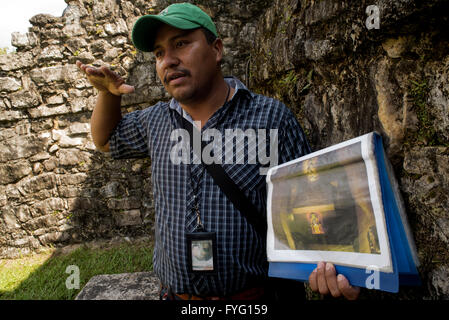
(144,30)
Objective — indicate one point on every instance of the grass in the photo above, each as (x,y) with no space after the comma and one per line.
(43,276)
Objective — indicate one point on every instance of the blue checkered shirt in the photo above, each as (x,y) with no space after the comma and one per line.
(241,251)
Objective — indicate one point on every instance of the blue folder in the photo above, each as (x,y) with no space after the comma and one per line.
(402,251)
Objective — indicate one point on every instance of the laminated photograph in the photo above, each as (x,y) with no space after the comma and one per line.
(340,205)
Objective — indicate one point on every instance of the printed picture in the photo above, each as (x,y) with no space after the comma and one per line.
(202,255)
(323,203)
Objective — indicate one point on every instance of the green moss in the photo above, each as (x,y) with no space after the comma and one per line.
(289,79)
(426,133)
(290,87)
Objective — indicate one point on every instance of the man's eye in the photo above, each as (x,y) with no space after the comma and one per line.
(180,44)
(158,54)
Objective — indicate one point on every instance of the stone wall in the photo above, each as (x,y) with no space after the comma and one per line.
(55,188)
(340,78)
(344,80)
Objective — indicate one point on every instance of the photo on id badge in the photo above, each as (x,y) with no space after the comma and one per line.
(202,251)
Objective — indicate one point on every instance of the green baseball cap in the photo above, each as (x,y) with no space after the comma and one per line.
(179,15)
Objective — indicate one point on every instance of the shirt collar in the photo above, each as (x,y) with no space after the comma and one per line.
(232,81)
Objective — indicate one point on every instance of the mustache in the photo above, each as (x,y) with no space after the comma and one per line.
(185,72)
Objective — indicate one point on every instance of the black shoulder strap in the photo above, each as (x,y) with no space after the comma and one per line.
(229,188)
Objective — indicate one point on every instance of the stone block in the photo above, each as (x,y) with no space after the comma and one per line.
(25,99)
(10,220)
(79,128)
(111,190)
(52,208)
(37,183)
(37,168)
(13,172)
(124,204)
(395,47)
(23,40)
(23,213)
(50,53)
(317,49)
(438,278)
(85,57)
(104,9)
(62,73)
(44,111)
(9,84)
(111,54)
(11,115)
(320,11)
(73,30)
(119,27)
(128,218)
(20,147)
(78,104)
(68,192)
(40,156)
(53,237)
(67,142)
(55,99)
(124,286)
(15,60)
(73,157)
(42,19)
(100,47)
(72,179)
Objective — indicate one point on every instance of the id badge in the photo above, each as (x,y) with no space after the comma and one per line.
(202,252)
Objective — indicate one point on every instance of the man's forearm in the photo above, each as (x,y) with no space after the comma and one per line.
(105,117)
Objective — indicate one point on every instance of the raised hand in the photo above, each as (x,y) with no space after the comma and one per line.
(103,79)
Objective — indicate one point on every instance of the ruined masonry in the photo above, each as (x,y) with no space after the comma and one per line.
(340,78)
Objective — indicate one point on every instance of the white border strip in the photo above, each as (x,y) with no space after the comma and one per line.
(351,259)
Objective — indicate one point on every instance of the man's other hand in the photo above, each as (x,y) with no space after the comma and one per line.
(324,280)
(103,79)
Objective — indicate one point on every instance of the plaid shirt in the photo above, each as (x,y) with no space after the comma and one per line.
(241,251)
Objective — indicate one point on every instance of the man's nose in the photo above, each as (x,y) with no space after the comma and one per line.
(170,59)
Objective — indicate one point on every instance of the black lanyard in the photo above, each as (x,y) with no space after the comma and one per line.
(228,186)
(196,206)
(196,197)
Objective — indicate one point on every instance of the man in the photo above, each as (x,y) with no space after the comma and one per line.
(188,203)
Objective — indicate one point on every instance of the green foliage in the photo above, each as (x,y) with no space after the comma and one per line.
(43,279)
(289,79)
(3,50)
(309,82)
(426,133)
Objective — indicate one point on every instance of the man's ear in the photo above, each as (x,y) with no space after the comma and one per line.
(217,46)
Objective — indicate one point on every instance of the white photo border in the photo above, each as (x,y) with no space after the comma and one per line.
(382,261)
